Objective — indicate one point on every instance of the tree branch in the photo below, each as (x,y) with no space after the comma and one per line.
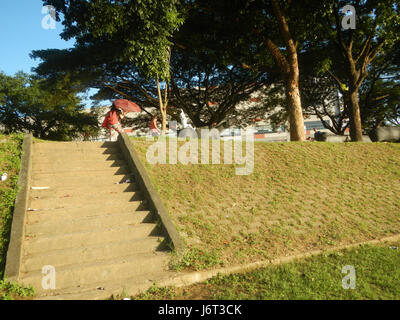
(278,56)
(337,80)
(339,29)
(364,48)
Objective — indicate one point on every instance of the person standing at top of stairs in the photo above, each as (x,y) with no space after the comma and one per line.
(112,122)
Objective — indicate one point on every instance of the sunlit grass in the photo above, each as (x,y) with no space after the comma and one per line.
(300,197)
(376,270)
(10,160)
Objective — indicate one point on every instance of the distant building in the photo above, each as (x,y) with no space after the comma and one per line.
(261,126)
(264,130)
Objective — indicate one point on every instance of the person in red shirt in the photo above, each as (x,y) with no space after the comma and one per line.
(112,122)
(154,131)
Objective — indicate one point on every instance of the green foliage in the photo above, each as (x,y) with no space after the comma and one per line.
(11,291)
(10,158)
(197,259)
(215,56)
(204,67)
(320,97)
(316,278)
(50,110)
(362,60)
(377,277)
(380,94)
(376,33)
(142,29)
(215,60)
(154,292)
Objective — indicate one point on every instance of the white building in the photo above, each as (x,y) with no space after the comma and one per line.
(261,127)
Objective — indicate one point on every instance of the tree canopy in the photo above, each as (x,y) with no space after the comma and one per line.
(49,111)
(227,50)
(347,55)
(141,30)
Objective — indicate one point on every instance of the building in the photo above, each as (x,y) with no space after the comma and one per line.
(261,127)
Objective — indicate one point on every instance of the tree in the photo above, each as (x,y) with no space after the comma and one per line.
(380,92)
(278,29)
(141,30)
(289,67)
(49,111)
(268,29)
(321,98)
(210,73)
(378,95)
(206,67)
(349,52)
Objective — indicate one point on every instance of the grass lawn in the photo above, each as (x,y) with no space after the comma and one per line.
(377,276)
(10,158)
(300,197)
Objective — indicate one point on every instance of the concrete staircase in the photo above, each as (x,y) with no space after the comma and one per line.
(91,225)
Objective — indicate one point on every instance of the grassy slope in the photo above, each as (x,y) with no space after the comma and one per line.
(10,156)
(376,269)
(300,197)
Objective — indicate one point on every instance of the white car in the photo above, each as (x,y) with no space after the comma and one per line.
(231,134)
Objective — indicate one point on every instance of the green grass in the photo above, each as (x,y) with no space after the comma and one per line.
(10,157)
(300,197)
(316,278)
(14,291)
(10,160)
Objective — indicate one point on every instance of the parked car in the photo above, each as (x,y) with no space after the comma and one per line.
(231,134)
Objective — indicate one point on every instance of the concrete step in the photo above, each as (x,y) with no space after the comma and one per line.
(85,200)
(77,156)
(81,181)
(82,224)
(74,191)
(48,158)
(75,144)
(75,153)
(104,290)
(92,230)
(114,270)
(83,165)
(104,251)
(110,171)
(35,245)
(89,211)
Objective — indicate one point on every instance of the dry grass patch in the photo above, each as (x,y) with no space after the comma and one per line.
(300,197)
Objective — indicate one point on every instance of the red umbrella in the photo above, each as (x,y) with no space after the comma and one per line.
(126,105)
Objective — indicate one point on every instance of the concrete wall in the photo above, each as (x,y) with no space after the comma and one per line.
(14,253)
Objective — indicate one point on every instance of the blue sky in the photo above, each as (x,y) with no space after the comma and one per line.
(21,32)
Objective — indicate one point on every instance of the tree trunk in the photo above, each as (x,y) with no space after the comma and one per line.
(164,124)
(355,117)
(163,107)
(290,69)
(296,120)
